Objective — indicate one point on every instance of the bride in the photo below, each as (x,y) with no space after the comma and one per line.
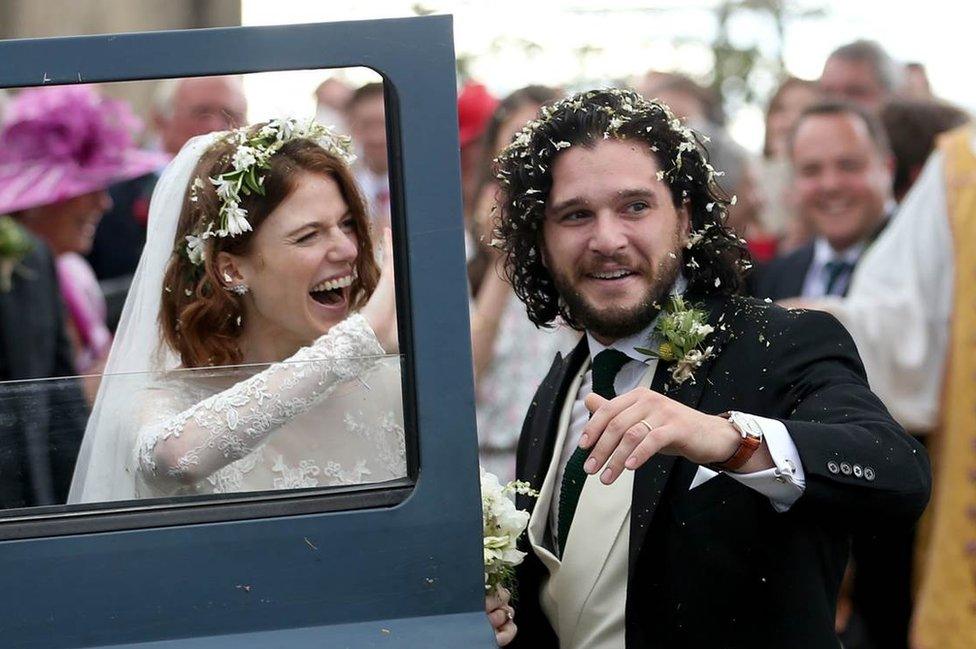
(258,252)
(258,256)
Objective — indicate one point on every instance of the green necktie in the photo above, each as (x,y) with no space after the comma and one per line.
(606,364)
(836,269)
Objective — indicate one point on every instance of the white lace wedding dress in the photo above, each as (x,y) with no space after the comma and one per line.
(329,415)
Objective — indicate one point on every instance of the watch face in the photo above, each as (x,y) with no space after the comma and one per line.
(746,425)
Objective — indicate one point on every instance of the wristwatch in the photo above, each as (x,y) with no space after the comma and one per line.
(752,437)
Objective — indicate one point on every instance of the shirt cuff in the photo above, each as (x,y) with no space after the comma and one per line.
(785,482)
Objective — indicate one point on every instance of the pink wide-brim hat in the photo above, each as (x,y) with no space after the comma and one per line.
(66,141)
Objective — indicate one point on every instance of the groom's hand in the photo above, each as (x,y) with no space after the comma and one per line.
(628,430)
(501,615)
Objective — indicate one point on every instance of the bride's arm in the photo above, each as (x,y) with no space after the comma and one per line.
(192,444)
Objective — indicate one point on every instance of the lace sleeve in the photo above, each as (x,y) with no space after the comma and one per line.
(223,428)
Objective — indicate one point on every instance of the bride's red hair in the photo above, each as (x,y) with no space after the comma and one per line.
(198,316)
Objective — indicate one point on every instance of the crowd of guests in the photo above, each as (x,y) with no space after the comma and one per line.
(840,157)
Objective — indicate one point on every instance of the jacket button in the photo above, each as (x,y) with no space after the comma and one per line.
(858,472)
(868,473)
(832,467)
(845,468)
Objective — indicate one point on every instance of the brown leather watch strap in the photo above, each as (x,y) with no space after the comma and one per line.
(747,446)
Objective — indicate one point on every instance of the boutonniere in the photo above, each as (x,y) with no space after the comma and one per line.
(14,246)
(680,331)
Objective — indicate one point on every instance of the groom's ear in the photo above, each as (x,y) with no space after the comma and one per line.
(684,221)
(230,269)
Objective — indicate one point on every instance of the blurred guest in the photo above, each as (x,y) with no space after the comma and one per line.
(910,310)
(182,108)
(916,82)
(912,126)
(41,422)
(366,116)
(331,97)
(842,169)
(863,73)
(842,172)
(740,179)
(510,353)
(62,148)
(780,214)
(475,106)
(687,99)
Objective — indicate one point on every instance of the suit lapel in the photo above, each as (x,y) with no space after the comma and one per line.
(537,441)
(650,479)
(796,277)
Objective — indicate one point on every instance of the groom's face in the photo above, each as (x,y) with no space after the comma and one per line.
(612,237)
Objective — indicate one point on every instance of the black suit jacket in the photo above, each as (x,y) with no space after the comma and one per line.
(784,276)
(41,422)
(717,566)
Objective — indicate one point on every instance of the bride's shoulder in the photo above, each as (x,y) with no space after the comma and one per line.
(177,385)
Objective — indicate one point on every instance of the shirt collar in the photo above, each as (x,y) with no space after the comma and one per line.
(823,252)
(641,338)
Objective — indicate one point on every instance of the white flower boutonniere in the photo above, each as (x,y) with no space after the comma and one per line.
(680,331)
(503,525)
(14,246)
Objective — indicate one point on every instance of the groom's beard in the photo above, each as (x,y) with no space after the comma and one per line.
(614,323)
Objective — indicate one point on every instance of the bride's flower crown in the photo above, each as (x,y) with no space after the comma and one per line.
(250,159)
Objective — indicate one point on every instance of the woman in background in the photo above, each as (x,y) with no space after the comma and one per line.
(511,355)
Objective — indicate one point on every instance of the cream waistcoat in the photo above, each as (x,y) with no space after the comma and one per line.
(585,595)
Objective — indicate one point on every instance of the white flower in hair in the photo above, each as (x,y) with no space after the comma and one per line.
(194,249)
(237,222)
(243,158)
(226,189)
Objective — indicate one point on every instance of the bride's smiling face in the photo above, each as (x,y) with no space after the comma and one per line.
(299,268)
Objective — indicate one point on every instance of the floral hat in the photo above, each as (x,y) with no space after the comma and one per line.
(66,141)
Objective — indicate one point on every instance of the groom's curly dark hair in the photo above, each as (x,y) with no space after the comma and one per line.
(713,262)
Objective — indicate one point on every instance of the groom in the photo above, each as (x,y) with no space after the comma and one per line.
(701,462)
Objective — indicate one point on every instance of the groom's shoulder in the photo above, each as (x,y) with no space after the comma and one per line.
(764,323)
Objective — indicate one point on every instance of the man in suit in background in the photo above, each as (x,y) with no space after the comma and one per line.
(41,422)
(701,458)
(842,178)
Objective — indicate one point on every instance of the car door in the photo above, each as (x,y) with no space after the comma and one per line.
(397,563)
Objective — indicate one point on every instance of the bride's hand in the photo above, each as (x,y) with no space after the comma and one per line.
(501,616)
(380,310)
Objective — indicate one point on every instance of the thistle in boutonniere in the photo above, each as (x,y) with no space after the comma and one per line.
(14,246)
(680,331)
(503,525)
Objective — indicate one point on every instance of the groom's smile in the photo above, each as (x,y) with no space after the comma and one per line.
(612,236)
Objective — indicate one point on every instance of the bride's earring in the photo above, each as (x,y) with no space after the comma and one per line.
(236,289)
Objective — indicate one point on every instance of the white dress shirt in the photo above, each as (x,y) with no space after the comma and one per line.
(899,306)
(783,484)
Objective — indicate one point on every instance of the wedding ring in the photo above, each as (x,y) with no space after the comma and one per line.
(647,425)
(510,614)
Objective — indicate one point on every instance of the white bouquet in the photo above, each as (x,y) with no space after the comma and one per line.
(503,524)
